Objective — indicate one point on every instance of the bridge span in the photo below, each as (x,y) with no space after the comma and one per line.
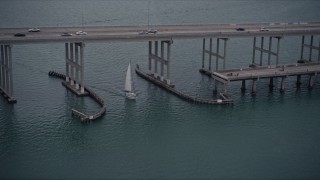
(213,61)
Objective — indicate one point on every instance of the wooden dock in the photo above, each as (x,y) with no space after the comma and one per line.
(170,88)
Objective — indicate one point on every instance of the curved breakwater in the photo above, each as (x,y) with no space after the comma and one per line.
(84,117)
(180,94)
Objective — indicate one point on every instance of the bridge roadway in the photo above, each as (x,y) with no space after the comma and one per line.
(165,32)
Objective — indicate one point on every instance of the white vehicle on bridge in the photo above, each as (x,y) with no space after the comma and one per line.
(34,30)
(152,31)
(149,31)
(264,29)
(81,33)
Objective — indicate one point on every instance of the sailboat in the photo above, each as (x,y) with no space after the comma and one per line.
(128,86)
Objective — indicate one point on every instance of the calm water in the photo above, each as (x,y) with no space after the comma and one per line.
(270,136)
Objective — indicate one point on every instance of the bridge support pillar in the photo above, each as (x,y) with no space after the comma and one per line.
(254,86)
(243,85)
(271,84)
(163,59)
(282,84)
(6,80)
(298,83)
(311,47)
(218,56)
(75,66)
(311,81)
(214,85)
(268,51)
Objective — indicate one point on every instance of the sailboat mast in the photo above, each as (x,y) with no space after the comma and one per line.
(148,13)
(128,82)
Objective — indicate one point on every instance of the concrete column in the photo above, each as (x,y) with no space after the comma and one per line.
(278,47)
(214,84)
(254,50)
(225,54)
(243,85)
(6,63)
(82,67)
(311,44)
(217,54)
(76,68)
(319,53)
(261,52)
(302,48)
(271,84)
(203,51)
(10,70)
(210,56)
(155,61)
(67,63)
(168,61)
(71,67)
(225,88)
(75,65)
(282,84)
(1,66)
(149,54)
(298,81)
(162,63)
(269,53)
(254,86)
(6,77)
(311,81)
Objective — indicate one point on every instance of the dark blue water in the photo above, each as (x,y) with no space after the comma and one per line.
(159,136)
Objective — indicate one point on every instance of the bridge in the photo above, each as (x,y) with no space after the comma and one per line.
(164,32)
(159,50)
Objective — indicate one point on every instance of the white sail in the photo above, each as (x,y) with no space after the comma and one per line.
(128,83)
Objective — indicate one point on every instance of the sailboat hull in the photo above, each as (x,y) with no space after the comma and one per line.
(131,95)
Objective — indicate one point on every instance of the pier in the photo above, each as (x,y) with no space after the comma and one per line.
(266,37)
(264,72)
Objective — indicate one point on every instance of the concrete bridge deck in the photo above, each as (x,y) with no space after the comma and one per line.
(165,32)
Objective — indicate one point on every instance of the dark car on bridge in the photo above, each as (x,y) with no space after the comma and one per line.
(66,34)
(240,29)
(19,35)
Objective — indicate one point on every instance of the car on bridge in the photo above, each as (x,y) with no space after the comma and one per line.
(152,31)
(264,29)
(81,33)
(34,30)
(19,35)
(66,34)
(240,29)
(149,31)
